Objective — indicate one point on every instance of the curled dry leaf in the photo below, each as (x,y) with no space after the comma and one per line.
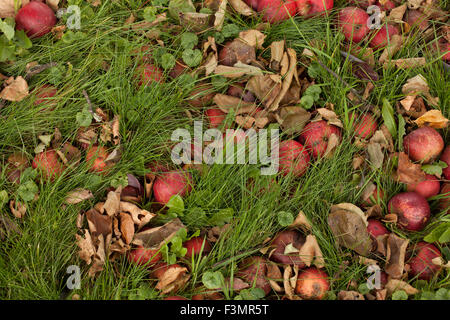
(414,4)
(220,15)
(112,203)
(239,70)
(376,154)
(395,256)
(252,37)
(350,230)
(17,208)
(301,221)
(277,52)
(265,88)
(15,90)
(139,216)
(414,106)
(397,13)
(287,71)
(78,195)
(7,7)
(53,4)
(367,262)
(245,121)
(242,8)
(418,85)
(381,244)
(408,172)
(395,284)
(293,119)
(330,116)
(350,295)
(215,233)
(381,294)
(432,118)
(225,103)
(98,223)
(172,280)
(87,248)
(156,237)
(126,227)
(310,252)
(196,21)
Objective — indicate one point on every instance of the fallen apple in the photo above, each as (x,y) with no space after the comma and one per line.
(353,23)
(253,271)
(36,19)
(49,164)
(95,157)
(445,157)
(148,73)
(376,197)
(428,188)
(293,158)
(215,116)
(412,209)
(171,183)
(315,137)
(421,264)
(194,247)
(144,256)
(364,126)
(288,237)
(275,11)
(383,36)
(376,228)
(175,298)
(386,5)
(312,284)
(309,8)
(43,93)
(423,144)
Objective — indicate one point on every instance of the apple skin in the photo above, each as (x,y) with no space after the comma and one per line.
(144,257)
(281,241)
(148,73)
(380,39)
(312,284)
(364,126)
(171,183)
(48,164)
(44,92)
(252,3)
(353,23)
(275,11)
(412,209)
(423,144)
(194,246)
(36,19)
(421,264)
(309,8)
(315,136)
(175,298)
(95,157)
(416,19)
(376,228)
(377,195)
(444,203)
(293,158)
(428,188)
(445,156)
(253,270)
(216,117)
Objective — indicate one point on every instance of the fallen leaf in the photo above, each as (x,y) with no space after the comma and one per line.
(397,13)
(98,223)
(242,8)
(7,7)
(310,252)
(395,284)
(140,216)
(78,195)
(126,227)
(418,85)
(301,221)
(395,256)
(196,21)
(53,4)
(330,116)
(87,248)
(172,280)
(408,63)
(220,15)
(394,45)
(238,284)
(376,155)
(226,103)
(154,238)
(414,4)
(265,88)
(17,208)
(237,71)
(407,171)
(7,227)
(350,295)
(287,78)
(252,37)
(112,203)
(294,119)
(15,90)
(432,118)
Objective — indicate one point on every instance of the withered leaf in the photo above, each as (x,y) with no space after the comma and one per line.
(350,295)
(155,237)
(172,280)
(140,216)
(432,118)
(265,88)
(112,203)
(301,221)
(408,172)
(395,284)
(376,155)
(16,89)
(330,116)
(17,208)
(254,38)
(126,227)
(294,119)
(98,223)
(310,252)
(395,256)
(238,284)
(225,103)
(196,21)
(87,248)
(7,7)
(220,15)
(394,45)
(7,227)
(242,8)
(78,195)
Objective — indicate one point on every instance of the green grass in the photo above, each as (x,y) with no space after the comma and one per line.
(33,264)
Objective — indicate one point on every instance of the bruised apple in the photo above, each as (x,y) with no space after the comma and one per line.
(421,264)
(215,117)
(171,183)
(428,188)
(48,164)
(423,144)
(148,73)
(412,209)
(284,238)
(194,246)
(277,10)
(253,271)
(315,136)
(376,228)
(312,284)
(293,158)
(383,36)
(36,19)
(364,126)
(95,157)
(353,23)
(144,256)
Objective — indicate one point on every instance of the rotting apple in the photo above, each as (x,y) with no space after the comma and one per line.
(312,284)
(275,11)
(376,228)
(236,51)
(215,116)
(43,93)
(423,144)
(194,247)
(315,136)
(445,157)
(48,163)
(171,183)
(144,256)
(412,209)
(284,238)
(95,157)
(383,36)
(364,126)
(36,19)
(421,264)
(353,23)
(428,188)
(253,271)
(293,158)
(148,73)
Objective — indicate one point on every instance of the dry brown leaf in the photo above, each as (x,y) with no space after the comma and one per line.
(432,118)
(16,89)
(242,8)
(172,280)
(245,122)
(310,252)
(252,37)
(140,216)
(239,70)
(220,15)
(210,63)
(238,284)
(126,227)
(350,295)
(53,4)
(397,13)
(78,195)
(265,88)
(18,209)
(390,218)
(333,142)
(350,207)
(357,161)
(414,4)
(288,74)
(395,256)
(293,119)
(367,262)
(392,48)
(87,248)
(330,116)
(130,20)
(288,289)
(408,172)
(226,103)
(381,244)
(408,63)
(95,3)
(301,221)
(381,294)
(112,203)
(418,85)
(154,238)
(395,284)
(7,7)
(196,21)
(376,154)
(98,223)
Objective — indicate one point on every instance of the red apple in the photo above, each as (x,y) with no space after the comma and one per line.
(375,198)
(376,228)
(95,157)
(293,158)
(364,126)
(252,3)
(421,264)
(194,246)
(445,157)
(353,23)
(175,298)
(428,188)
(36,19)
(315,136)
(216,117)
(277,10)
(148,73)
(143,256)
(412,209)
(177,70)
(253,271)
(444,202)
(48,164)
(312,284)
(43,93)
(383,35)
(310,8)
(171,183)
(416,19)
(386,5)
(423,144)
(281,241)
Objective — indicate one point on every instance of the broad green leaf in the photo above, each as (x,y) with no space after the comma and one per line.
(3,198)
(230,31)
(84,118)
(307,101)
(22,40)
(150,14)
(213,280)
(445,236)
(435,168)
(178,6)
(285,218)
(189,40)
(221,217)
(167,61)
(28,190)
(400,295)
(192,57)
(437,232)
(7,30)
(387,113)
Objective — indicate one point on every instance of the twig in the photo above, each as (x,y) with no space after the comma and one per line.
(90,107)
(38,69)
